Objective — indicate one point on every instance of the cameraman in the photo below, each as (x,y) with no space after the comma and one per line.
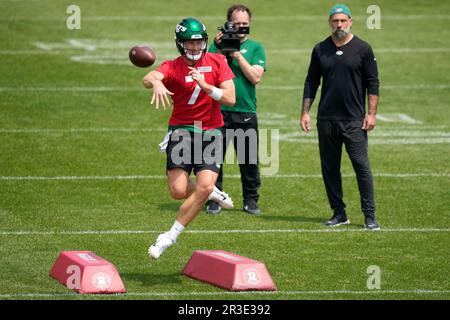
(248,64)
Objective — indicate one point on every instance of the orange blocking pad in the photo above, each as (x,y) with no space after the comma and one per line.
(228,271)
(85,272)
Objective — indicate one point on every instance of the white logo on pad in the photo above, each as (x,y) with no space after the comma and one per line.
(88,258)
(101,280)
(251,276)
(227,256)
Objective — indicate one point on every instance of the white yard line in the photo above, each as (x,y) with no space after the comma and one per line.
(33,52)
(72,89)
(376,50)
(132,177)
(231,231)
(220,293)
(375,141)
(390,133)
(82,130)
(419,131)
(415,141)
(233,176)
(397,131)
(382,87)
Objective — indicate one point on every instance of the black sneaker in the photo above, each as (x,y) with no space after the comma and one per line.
(336,220)
(370,223)
(213,207)
(251,207)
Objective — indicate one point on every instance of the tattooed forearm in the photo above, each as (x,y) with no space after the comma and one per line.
(373,104)
(307,103)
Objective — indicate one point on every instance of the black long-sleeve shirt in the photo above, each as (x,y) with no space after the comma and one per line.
(347,78)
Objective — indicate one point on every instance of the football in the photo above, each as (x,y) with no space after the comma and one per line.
(142,56)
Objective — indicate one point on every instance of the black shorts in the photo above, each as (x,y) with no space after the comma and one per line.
(198,151)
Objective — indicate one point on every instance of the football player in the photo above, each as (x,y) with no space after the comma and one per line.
(198,83)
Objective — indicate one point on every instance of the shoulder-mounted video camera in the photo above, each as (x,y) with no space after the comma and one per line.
(231,41)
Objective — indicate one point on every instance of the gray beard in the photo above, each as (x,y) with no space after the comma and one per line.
(340,34)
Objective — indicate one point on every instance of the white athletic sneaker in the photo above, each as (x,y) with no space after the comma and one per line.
(162,243)
(221,198)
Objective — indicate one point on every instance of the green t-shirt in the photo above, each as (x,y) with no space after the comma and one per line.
(254,53)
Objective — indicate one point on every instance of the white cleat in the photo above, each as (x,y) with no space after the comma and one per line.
(162,243)
(222,198)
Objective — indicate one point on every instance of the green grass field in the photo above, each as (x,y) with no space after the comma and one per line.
(80,170)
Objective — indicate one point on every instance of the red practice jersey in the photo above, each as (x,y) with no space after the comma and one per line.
(190,103)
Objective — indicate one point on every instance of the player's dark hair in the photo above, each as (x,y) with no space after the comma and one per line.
(238,7)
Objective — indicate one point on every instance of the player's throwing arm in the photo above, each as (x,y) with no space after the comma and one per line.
(154,80)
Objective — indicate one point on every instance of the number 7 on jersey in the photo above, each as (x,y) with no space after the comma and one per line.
(194,95)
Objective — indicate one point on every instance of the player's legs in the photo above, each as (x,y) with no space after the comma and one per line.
(180,185)
(203,187)
(193,204)
(196,193)
(179,169)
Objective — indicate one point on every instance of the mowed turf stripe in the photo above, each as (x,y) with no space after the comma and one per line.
(261,293)
(262,87)
(171,18)
(399,131)
(71,51)
(234,176)
(235,231)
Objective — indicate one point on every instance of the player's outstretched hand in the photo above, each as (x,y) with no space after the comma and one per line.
(160,93)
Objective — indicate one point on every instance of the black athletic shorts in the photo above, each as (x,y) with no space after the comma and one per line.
(194,151)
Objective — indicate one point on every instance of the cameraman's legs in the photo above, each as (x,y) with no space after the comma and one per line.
(227,125)
(249,168)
